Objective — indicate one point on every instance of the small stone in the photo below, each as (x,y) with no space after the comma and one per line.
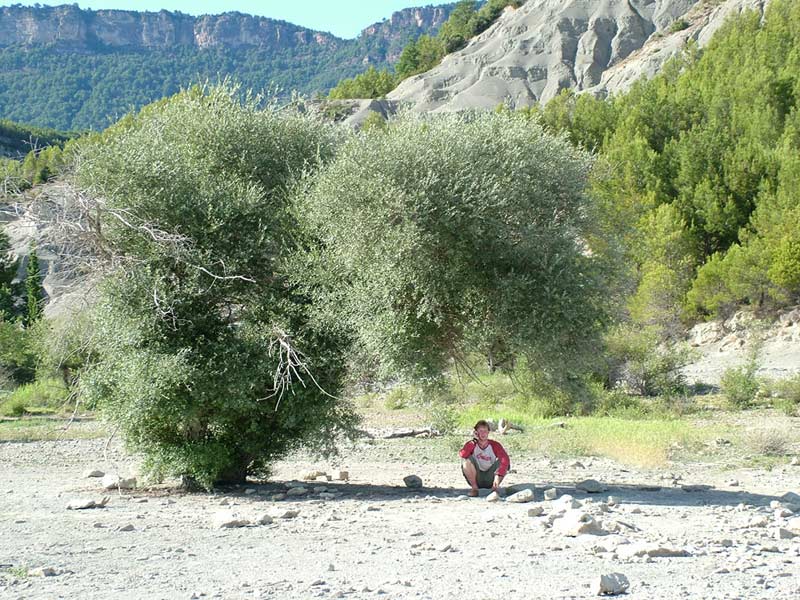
(611,584)
(42,572)
(575,523)
(784,534)
(93,473)
(340,475)
(266,520)
(591,486)
(566,502)
(758,522)
(535,511)
(577,465)
(733,483)
(312,475)
(289,514)
(297,491)
(493,497)
(613,501)
(250,491)
(550,494)
(319,489)
(413,481)
(726,543)
(278,497)
(227,520)
(114,482)
(795,462)
(520,497)
(641,549)
(783,513)
(128,527)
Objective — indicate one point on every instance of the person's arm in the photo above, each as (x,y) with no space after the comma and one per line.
(502,456)
(468,449)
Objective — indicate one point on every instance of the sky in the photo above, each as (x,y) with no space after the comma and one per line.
(343,18)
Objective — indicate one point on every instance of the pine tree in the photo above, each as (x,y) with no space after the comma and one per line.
(8,270)
(33,289)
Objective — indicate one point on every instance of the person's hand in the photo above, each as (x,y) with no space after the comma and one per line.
(495,483)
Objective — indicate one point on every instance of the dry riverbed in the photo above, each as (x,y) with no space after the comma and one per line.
(683,531)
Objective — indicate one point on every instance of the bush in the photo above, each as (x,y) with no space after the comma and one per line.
(786,393)
(12,407)
(739,385)
(45,395)
(398,398)
(643,364)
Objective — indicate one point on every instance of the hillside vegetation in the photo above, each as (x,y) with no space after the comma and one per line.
(698,171)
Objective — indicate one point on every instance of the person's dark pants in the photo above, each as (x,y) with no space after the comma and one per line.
(485,479)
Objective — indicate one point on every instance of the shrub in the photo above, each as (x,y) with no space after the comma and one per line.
(12,407)
(44,395)
(398,398)
(642,364)
(739,385)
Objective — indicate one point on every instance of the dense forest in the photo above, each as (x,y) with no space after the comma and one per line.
(699,170)
(79,89)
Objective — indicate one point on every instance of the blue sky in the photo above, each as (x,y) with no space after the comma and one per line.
(344,18)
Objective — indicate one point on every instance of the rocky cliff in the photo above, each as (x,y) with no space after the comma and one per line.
(530,54)
(70,26)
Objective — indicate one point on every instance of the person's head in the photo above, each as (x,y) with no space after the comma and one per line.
(482,429)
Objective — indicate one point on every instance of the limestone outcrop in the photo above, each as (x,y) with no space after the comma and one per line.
(532,53)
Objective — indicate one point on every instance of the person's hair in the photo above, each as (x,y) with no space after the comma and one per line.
(482,423)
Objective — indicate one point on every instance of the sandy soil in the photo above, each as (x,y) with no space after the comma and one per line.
(371,537)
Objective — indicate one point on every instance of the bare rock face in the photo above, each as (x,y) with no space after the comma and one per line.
(532,53)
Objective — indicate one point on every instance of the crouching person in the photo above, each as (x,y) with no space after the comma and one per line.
(484,462)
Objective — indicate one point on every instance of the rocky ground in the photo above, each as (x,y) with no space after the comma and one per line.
(692,532)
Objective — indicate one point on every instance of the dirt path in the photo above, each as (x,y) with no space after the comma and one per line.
(372,537)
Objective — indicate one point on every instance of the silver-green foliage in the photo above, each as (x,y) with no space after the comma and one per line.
(199,317)
(447,234)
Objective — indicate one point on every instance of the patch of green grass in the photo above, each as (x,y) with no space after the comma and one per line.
(43,396)
(34,429)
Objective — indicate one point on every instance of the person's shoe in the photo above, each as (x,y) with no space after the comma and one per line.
(473,493)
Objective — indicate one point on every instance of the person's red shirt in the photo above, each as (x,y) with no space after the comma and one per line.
(499,452)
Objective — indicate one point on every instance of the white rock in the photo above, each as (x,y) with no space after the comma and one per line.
(793,525)
(613,501)
(413,481)
(112,481)
(520,497)
(535,511)
(93,473)
(340,475)
(576,522)
(566,502)
(591,486)
(493,497)
(795,462)
(266,520)
(550,494)
(758,522)
(227,520)
(42,572)
(611,584)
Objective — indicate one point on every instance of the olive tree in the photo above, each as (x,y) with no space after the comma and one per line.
(206,356)
(445,235)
